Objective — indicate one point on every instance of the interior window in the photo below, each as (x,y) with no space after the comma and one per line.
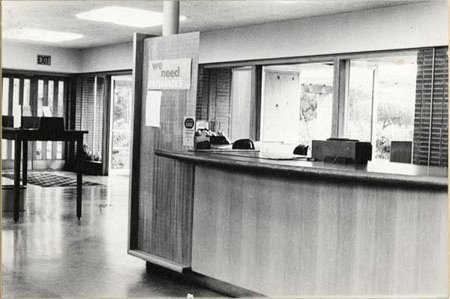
(380,102)
(297,103)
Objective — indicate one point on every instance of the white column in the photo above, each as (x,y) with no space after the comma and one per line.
(171,17)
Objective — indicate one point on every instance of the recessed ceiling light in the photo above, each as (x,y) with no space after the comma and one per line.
(40,35)
(125,16)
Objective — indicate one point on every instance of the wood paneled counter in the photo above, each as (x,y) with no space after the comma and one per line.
(305,229)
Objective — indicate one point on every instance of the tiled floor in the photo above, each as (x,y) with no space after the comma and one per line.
(47,254)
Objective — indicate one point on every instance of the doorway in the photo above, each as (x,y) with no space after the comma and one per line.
(120,126)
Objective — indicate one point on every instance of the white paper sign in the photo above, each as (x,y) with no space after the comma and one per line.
(153,108)
(169,74)
(188,131)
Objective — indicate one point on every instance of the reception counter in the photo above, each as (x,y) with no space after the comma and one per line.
(285,227)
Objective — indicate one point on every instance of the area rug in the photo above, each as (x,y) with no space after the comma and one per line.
(48,179)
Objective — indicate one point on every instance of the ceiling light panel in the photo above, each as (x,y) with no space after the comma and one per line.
(41,35)
(125,16)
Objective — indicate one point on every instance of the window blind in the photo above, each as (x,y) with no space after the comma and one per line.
(214,97)
(431,108)
(89,111)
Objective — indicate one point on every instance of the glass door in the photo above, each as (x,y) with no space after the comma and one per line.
(34,96)
(120,125)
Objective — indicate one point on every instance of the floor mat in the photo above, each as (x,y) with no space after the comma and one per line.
(48,179)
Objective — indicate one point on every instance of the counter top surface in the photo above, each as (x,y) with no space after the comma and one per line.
(374,172)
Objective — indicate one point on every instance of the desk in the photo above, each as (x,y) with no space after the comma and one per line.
(293,228)
(22,136)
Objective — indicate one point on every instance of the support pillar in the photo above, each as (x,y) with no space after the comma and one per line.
(171,17)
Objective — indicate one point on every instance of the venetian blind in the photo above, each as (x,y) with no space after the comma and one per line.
(431,108)
(214,98)
(89,111)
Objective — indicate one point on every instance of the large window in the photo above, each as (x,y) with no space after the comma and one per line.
(380,101)
(397,101)
(377,107)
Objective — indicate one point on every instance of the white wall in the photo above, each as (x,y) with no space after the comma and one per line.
(415,25)
(24,57)
(107,58)
(399,27)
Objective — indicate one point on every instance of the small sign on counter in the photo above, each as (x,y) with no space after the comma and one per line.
(188,131)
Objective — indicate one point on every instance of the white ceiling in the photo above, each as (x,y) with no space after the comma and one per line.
(202,16)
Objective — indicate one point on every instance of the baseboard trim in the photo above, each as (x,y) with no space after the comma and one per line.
(160,261)
(189,276)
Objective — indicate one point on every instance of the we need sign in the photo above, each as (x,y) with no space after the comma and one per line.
(169,74)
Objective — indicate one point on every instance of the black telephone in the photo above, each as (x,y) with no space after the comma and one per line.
(244,144)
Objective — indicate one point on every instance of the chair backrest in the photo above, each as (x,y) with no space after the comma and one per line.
(51,125)
(301,150)
(401,151)
(30,122)
(243,144)
(7,121)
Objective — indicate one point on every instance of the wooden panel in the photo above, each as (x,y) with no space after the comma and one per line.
(165,185)
(135,137)
(282,236)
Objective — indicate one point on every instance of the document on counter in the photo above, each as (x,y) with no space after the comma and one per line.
(153,108)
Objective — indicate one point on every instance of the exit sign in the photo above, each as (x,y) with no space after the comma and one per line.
(44,59)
